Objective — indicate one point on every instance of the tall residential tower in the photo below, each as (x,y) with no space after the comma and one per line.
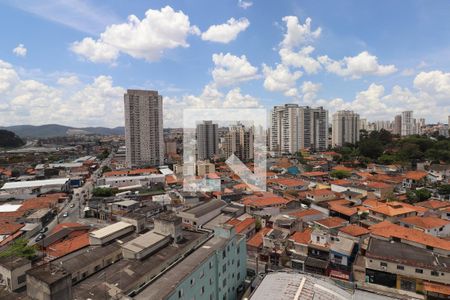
(143,128)
(207,140)
(345,128)
(296,127)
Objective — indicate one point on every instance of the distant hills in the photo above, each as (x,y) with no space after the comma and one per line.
(54,130)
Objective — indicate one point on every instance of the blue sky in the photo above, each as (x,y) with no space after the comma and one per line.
(70,61)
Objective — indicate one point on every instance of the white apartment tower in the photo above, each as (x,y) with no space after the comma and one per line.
(207,134)
(345,128)
(407,123)
(296,127)
(143,128)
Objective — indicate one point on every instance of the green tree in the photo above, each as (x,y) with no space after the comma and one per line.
(340,174)
(106,169)
(104,192)
(444,189)
(423,194)
(19,248)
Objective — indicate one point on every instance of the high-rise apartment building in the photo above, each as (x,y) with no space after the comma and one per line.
(345,128)
(239,140)
(143,128)
(407,123)
(397,127)
(207,134)
(296,127)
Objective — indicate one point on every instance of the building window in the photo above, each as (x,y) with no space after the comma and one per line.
(202,290)
(224,268)
(192,281)
(238,276)
(224,282)
(238,263)
(210,264)
(383,264)
(224,253)
(400,267)
(21,279)
(434,273)
(210,281)
(180,293)
(202,274)
(420,271)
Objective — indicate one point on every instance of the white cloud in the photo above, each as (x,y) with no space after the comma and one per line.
(244,4)
(280,78)
(436,83)
(357,66)
(147,39)
(298,34)
(300,59)
(235,99)
(20,50)
(309,90)
(227,32)
(33,102)
(230,69)
(95,51)
(69,80)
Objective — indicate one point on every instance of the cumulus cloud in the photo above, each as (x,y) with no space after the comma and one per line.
(210,97)
(300,59)
(244,4)
(20,50)
(34,102)
(436,83)
(227,32)
(230,69)
(280,78)
(357,66)
(147,39)
(309,90)
(298,34)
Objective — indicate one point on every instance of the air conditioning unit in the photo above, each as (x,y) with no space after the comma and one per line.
(383,268)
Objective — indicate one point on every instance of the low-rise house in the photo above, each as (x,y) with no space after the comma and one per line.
(414,179)
(263,200)
(392,211)
(308,215)
(289,184)
(320,195)
(381,189)
(431,225)
(255,243)
(402,266)
(434,205)
(318,252)
(245,227)
(12,272)
(298,248)
(438,173)
(393,232)
(331,224)
(342,254)
(355,232)
(274,245)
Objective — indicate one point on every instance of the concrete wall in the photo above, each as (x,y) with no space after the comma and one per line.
(100,241)
(409,271)
(39,290)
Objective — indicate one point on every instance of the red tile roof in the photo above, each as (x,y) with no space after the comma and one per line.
(9,228)
(332,222)
(387,229)
(425,222)
(354,230)
(304,213)
(68,246)
(416,175)
(257,240)
(302,237)
(434,204)
(288,182)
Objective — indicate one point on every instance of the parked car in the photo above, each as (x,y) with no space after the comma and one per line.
(43,230)
(40,237)
(65,215)
(72,205)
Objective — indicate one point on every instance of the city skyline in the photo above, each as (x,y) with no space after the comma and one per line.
(301,58)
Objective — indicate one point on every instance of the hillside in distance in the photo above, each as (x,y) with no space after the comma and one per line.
(54,130)
(9,139)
